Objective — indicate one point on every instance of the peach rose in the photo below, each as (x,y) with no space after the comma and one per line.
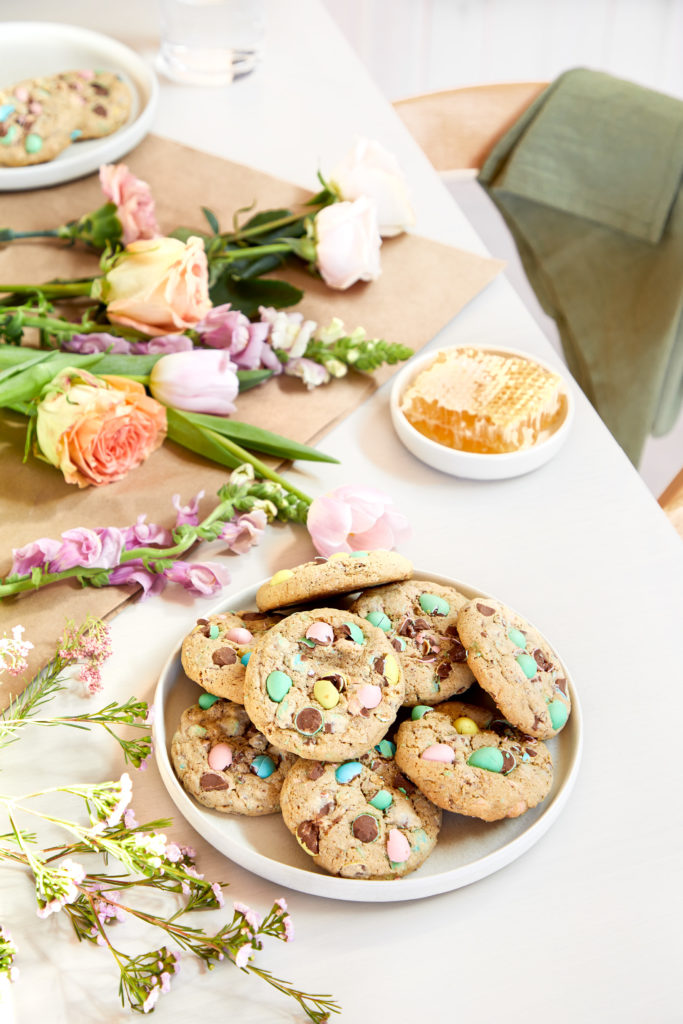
(158,286)
(97,428)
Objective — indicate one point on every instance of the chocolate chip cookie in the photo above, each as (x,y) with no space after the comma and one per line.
(216,652)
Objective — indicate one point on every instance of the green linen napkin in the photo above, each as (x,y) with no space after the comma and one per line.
(589,181)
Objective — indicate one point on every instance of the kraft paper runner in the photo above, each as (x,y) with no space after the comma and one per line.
(422,287)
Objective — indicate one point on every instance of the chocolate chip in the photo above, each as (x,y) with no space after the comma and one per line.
(396,644)
(531,751)
(500,726)
(309,721)
(224,656)
(453,631)
(342,632)
(202,622)
(378,664)
(100,110)
(365,712)
(407,628)
(542,661)
(485,610)
(337,681)
(316,770)
(3,130)
(509,761)
(210,782)
(325,809)
(252,616)
(328,727)
(458,651)
(538,721)
(365,828)
(101,90)
(401,782)
(308,834)
(443,669)
(561,684)
(421,624)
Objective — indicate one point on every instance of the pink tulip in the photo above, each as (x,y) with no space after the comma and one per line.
(355,519)
(203,380)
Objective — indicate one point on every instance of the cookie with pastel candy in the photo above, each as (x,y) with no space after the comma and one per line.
(37,122)
(470,760)
(225,763)
(359,818)
(103,98)
(341,573)
(517,666)
(420,619)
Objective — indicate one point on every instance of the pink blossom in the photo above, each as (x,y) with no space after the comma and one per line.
(134,202)
(288,925)
(252,917)
(91,549)
(282,904)
(187,514)
(91,677)
(243,531)
(243,954)
(136,572)
(129,819)
(355,518)
(164,345)
(152,997)
(224,327)
(37,553)
(87,344)
(348,243)
(288,331)
(203,381)
(218,893)
(143,534)
(204,578)
(311,373)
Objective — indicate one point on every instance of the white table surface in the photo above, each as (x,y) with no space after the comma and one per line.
(586,925)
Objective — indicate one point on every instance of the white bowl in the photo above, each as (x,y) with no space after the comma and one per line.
(475,465)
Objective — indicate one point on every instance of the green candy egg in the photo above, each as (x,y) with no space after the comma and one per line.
(33,143)
(382,800)
(358,554)
(278,685)
(214,632)
(207,700)
(357,634)
(527,664)
(517,637)
(559,713)
(431,604)
(419,710)
(488,758)
(386,748)
(380,620)
(8,139)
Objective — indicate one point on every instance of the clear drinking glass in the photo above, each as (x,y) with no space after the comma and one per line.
(210,42)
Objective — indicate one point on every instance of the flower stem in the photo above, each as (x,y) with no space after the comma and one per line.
(261,468)
(253,252)
(8,235)
(51,291)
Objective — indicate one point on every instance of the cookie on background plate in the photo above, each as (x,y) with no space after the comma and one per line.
(354,820)
(420,618)
(215,653)
(516,666)
(38,119)
(324,684)
(225,763)
(339,574)
(470,760)
(103,98)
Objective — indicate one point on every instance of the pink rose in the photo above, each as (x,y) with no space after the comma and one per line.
(355,519)
(347,243)
(95,429)
(158,286)
(371,170)
(133,200)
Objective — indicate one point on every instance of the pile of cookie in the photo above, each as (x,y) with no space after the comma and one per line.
(40,117)
(333,703)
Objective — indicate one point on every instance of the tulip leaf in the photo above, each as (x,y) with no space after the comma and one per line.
(258,438)
(265,217)
(249,295)
(189,436)
(212,219)
(252,378)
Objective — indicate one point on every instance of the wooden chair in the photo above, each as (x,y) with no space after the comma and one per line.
(671,501)
(458,128)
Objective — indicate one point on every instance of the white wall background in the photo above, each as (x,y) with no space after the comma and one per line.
(414,46)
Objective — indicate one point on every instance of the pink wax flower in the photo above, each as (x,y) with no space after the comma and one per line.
(143,535)
(355,519)
(243,531)
(37,553)
(133,200)
(198,381)
(136,572)
(224,327)
(187,514)
(90,549)
(164,345)
(203,578)
(87,344)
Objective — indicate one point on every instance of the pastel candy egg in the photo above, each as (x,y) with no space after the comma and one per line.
(382,800)
(358,554)
(516,637)
(489,758)
(281,576)
(263,766)
(214,632)
(466,726)
(356,632)
(278,685)
(398,847)
(245,658)
(309,721)
(338,556)
(380,620)
(439,752)
(419,711)
(207,700)
(527,664)
(320,633)
(347,771)
(220,757)
(33,143)
(386,748)
(432,604)
(239,636)
(390,669)
(21,93)
(369,695)
(559,713)
(5,110)
(326,693)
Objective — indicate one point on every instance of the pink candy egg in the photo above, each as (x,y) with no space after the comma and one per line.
(239,636)
(320,632)
(220,757)
(87,73)
(21,93)
(398,847)
(439,752)
(370,695)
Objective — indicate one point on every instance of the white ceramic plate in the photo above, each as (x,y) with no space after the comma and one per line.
(467,849)
(31,48)
(475,465)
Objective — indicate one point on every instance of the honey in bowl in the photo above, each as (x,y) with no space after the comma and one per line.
(477,400)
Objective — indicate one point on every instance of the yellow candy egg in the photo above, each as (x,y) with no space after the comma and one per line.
(390,669)
(337,556)
(281,576)
(326,693)
(466,727)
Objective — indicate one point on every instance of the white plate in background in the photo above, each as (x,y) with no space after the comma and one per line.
(32,48)
(467,849)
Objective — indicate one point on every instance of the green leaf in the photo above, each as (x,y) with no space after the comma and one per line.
(184,233)
(27,384)
(265,217)
(212,219)
(189,436)
(252,378)
(255,437)
(249,295)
